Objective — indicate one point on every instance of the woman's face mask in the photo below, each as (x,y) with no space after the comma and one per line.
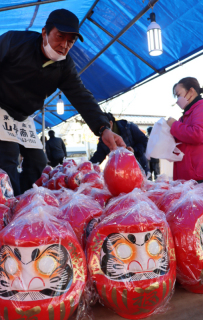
(51,53)
(182,101)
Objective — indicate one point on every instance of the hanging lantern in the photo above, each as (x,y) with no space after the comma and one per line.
(60,106)
(154,37)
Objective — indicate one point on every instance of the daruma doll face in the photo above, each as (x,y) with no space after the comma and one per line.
(34,273)
(134,272)
(44,281)
(134,256)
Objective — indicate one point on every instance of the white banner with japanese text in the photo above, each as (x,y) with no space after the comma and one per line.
(21,132)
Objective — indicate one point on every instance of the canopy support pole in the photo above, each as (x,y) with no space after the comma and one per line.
(23,5)
(137,17)
(43,128)
(123,44)
(88,13)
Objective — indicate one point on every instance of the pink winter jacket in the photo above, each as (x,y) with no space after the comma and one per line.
(189,131)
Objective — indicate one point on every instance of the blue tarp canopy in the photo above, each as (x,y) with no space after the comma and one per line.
(122,63)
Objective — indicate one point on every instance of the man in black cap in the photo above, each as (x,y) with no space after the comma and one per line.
(33,66)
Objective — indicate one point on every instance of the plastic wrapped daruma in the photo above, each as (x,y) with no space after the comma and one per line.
(122,172)
(186,221)
(131,259)
(43,268)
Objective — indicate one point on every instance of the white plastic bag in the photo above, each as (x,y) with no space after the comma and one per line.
(161,144)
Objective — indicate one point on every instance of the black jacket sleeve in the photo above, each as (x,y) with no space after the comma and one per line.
(48,151)
(64,148)
(139,141)
(81,98)
(101,153)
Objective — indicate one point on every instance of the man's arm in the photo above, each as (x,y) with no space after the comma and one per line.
(85,103)
(81,98)
(4,45)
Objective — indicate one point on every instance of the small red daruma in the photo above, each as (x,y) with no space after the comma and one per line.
(131,260)
(122,172)
(43,268)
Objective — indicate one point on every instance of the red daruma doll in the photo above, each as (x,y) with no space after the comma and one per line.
(122,172)
(186,221)
(131,260)
(43,269)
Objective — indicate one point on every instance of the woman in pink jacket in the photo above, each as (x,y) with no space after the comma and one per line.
(188,130)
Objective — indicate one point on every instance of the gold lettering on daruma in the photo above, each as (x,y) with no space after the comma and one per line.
(114,296)
(28,313)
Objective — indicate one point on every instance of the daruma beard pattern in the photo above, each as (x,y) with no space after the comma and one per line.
(34,273)
(134,256)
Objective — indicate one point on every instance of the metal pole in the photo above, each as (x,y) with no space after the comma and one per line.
(24,5)
(123,44)
(137,17)
(43,128)
(87,14)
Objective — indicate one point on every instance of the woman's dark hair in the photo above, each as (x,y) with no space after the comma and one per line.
(188,83)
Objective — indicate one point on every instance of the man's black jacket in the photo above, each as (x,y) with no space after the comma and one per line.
(55,148)
(25,81)
(132,136)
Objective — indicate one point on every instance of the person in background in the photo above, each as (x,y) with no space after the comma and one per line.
(188,130)
(33,66)
(55,149)
(154,164)
(132,136)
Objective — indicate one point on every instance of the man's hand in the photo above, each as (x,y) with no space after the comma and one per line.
(112,140)
(170,121)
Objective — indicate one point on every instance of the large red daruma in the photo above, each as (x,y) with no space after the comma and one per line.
(131,260)
(43,268)
(122,172)
(186,221)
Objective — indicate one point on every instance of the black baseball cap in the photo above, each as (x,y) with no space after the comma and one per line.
(65,21)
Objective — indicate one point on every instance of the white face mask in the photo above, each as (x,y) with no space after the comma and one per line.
(182,102)
(51,53)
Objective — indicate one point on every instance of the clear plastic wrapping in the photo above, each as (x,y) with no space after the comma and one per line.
(131,260)
(170,196)
(43,267)
(5,216)
(185,218)
(122,172)
(6,190)
(82,212)
(34,196)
